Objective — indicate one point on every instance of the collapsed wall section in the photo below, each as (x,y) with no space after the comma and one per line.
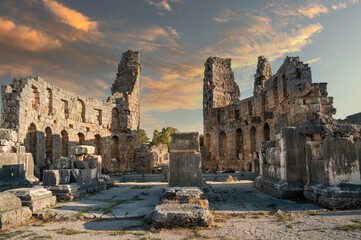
(235,129)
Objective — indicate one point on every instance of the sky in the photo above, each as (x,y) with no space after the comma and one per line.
(77,45)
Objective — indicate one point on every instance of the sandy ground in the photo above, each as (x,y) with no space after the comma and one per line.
(240,212)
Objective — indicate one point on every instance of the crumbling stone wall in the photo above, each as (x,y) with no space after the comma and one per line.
(234,128)
(161,155)
(50,121)
(352,119)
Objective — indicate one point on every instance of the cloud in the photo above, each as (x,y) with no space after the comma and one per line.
(162,4)
(313,10)
(102,84)
(339,6)
(23,37)
(313,60)
(14,70)
(70,17)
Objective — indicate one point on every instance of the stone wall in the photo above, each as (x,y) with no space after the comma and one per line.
(161,155)
(51,121)
(353,119)
(234,128)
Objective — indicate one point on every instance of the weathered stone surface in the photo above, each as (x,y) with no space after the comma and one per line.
(13,218)
(75,176)
(81,164)
(64,176)
(34,198)
(63,163)
(50,121)
(51,178)
(83,149)
(160,156)
(234,128)
(188,142)
(8,134)
(181,215)
(185,195)
(9,201)
(185,169)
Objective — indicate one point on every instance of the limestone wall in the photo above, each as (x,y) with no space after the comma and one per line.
(234,128)
(161,155)
(50,121)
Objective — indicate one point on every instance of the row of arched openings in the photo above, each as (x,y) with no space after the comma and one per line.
(64,142)
(222,140)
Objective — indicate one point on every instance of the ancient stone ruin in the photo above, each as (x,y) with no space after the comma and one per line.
(50,121)
(234,128)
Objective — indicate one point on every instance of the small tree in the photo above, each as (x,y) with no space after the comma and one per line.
(143,138)
(201,140)
(162,137)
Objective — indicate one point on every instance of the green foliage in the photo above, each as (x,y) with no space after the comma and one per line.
(143,138)
(201,140)
(162,137)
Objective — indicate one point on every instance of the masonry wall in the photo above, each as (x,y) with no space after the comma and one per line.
(234,128)
(50,121)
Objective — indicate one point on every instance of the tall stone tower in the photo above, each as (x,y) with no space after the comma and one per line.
(263,73)
(219,87)
(125,90)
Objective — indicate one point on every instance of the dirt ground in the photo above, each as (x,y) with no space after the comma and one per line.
(240,212)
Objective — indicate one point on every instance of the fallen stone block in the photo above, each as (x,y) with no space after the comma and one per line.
(64,176)
(13,218)
(34,198)
(9,201)
(63,163)
(84,149)
(75,176)
(181,215)
(92,161)
(81,164)
(88,174)
(51,178)
(186,195)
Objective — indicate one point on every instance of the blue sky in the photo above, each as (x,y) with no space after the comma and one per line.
(77,45)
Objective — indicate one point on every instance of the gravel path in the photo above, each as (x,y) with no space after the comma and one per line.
(240,212)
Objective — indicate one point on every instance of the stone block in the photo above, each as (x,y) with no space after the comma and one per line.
(4,142)
(64,176)
(51,178)
(81,164)
(88,174)
(75,176)
(8,134)
(84,149)
(34,198)
(92,161)
(185,169)
(181,215)
(5,149)
(9,202)
(63,163)
(186,142)
(15,217)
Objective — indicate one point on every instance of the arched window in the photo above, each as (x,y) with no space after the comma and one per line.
(48,143)
(266,132)
(32,142)
(81,139)
(64,143)
(115,118)
(115,148)
(81,110)
(239,142)
(98,145)
(253,139)
(222,145)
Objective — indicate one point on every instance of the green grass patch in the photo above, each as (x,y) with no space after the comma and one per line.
(68,231)
(7,235)
(285,217)
(220,220)
(350,227)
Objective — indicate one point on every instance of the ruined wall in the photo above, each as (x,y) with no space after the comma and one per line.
(161,155)
(353,119)
(50,121)
(233,128)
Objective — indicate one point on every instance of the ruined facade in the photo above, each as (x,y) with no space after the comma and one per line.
(161,155)
(234,128)
(50,121)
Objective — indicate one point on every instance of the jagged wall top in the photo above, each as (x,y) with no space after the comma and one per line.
(219,87)
(263,73)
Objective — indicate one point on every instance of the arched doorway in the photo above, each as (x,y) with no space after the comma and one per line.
(266,132)
(222,145)
(98,144)
(239,142)
(64,143)
(253,139)
(81,139)
(115,148)
(48,144)
(32,142)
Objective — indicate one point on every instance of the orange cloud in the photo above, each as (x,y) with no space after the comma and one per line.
(313,10)
(339,6)
(162,4)
(313,60)
(26,38)
(69,16)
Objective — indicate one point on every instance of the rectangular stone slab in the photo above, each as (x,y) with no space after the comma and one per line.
(14,217)
(9,201)
(185,169)
(185,142)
